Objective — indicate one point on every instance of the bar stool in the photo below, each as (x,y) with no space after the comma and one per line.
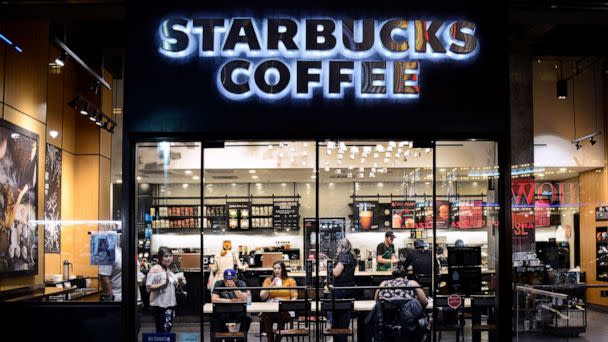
(299,306)
(229,308)
(336,305)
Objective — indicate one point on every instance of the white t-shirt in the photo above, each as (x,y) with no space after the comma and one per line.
(164,297)
(114,271)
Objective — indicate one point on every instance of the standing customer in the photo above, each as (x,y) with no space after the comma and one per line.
(161,284)
(344,275)
(279,278)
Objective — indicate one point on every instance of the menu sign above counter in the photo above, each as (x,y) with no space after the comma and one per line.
(286,215)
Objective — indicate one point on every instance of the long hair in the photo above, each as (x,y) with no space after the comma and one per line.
(283,269)
(344,246)
(162,251)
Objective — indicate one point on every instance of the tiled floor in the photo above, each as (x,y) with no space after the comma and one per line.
(597,330)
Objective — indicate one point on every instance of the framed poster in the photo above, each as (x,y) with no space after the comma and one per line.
(18,200)
(403,214)
(601,213)
(103,248)
(365,215)
(470,215)
(52,199)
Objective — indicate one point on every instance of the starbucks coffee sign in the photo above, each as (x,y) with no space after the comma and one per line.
(277,58)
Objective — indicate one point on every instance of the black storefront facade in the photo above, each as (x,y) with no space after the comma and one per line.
(184,84)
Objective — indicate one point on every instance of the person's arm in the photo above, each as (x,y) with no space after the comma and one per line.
(294,293)
(240,294)
(153,272)
(264,293)
(419,293)
(214,266)
(215,298)
(106,285)
(338,269)
(239,264)
(378,291)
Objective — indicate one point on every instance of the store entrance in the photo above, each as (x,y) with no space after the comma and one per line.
(268,238)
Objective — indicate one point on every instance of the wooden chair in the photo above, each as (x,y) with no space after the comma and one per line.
(300,307)
(452,319)
(336,305)
(481,304)
(229,308)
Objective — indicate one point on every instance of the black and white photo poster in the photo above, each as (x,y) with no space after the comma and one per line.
(52,199)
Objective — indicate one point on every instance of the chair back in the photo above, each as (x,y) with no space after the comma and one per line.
(298,305)
(229,308)
(338,304)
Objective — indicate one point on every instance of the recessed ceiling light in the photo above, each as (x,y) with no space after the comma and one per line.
(54,134)
(313,176)
(138,178)
(251,171)
(283,184)
(254,177)
(233,184)
(196,177)
(185,185)
(119,181)
(188,172)
(380,184)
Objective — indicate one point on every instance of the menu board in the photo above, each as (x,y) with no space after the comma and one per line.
(470,215)
(542,214)
(442,212)
(403,214)
(365,215)
(286,215)
(238,215)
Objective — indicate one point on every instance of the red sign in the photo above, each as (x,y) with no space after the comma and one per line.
(525,191)
(454,301)
(470,215)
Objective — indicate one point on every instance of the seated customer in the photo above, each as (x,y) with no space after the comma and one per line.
(218,321)
(279,278)
(400,279)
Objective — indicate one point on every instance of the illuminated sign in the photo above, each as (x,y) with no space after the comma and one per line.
(277,57)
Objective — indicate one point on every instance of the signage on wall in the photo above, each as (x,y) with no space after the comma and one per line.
(601,213)
(301,58)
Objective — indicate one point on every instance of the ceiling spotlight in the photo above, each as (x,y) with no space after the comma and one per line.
(592,141)
(84,110)
(562,89)
(99,119)
(93,116)
(61,59)
(54,134)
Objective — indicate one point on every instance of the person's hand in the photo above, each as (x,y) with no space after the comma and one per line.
(229,283)
(394,259)
(274,282)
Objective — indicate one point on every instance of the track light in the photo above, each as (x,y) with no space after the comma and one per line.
(99,119)
(84,110)
(562,89)
(61,59)
(592,141)
(578,146)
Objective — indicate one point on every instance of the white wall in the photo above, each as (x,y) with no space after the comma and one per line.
(555,120)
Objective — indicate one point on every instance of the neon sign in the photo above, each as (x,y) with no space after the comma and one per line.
(277,57)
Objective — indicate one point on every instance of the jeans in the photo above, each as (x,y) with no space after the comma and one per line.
(163,318)
(340,319)
(218,321)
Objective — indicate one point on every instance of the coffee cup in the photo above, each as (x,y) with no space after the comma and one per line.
(365,219)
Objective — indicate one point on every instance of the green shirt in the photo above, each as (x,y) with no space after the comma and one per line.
(386,252)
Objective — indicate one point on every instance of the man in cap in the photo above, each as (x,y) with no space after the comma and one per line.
(385,253)
(230,296)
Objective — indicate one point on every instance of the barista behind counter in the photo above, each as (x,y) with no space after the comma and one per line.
(385,253)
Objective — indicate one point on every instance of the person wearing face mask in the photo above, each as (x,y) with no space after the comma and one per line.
(224,260)
(161,283)
(279,278)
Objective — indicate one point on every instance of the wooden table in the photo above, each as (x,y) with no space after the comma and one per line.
(360,306)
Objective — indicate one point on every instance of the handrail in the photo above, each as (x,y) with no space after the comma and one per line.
(541,292)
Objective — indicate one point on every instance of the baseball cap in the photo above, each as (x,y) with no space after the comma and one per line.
(229,274)
(419,243)
(389,234)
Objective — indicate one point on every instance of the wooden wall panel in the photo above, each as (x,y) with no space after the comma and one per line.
(52,263)
(593,192)
(87,136)
(86,183)
(37,127)
(54,114)
(2,56)
(104,188)
(26,73)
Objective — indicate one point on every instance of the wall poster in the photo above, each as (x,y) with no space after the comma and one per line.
(18,200)
(103,248)
(52,199)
